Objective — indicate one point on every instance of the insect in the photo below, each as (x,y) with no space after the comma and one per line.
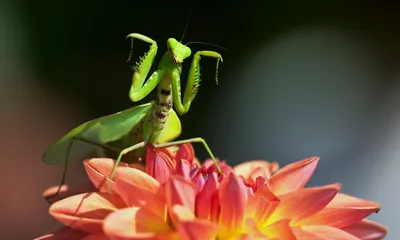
(155,123)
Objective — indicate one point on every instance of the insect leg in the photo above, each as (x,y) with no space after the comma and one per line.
(140,89)
(193,81)
(122,153)
(65,168)
(191,140)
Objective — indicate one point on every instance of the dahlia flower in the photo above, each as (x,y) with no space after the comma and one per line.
(174,197)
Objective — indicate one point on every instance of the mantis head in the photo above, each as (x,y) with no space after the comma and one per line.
(179,51)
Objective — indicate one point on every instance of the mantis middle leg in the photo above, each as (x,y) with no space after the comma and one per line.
(191,140)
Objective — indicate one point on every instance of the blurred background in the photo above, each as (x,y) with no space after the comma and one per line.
(299,79)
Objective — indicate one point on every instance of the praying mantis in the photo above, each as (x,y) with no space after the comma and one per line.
(155,123)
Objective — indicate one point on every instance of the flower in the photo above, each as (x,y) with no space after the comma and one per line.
(174,197)
(280,206)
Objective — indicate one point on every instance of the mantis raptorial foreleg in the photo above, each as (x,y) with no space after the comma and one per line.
(191,140)
(139,88)
(80,139)
(193,81)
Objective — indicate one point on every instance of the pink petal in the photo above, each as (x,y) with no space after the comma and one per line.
(135,223)
(304,203)
(210,165)
(180,191)
(252,169)
(183,168)
(159,164)
(85,211)
(64,233)
(226,169)
(185,152)
(137,188)
(293,176)
(67,191)
(342,211)
(321,233)
(196,161)
(280,230)
(207,203)
(233,197)
(99,170)
(198,177)
(366,230)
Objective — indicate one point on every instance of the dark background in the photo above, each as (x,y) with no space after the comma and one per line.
(300,78)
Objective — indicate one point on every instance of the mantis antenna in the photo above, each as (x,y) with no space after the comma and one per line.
(206,43)
(187,22)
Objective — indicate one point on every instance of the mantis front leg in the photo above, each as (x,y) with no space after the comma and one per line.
(193,81)
(138,91)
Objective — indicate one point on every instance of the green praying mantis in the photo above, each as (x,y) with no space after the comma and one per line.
(129,132)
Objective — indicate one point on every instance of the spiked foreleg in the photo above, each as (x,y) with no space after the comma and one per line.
(193,82)
(139,88)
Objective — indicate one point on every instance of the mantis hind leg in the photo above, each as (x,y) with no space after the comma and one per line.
(65,168)
(191,140)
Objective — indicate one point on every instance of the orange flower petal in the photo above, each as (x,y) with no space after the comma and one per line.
(303,203)
(181,192)
(137,188)
(138,166)
(99,170)
(97,236)
(197,229)
(248,169)
(181,213)
(191,228)
(280,230)
(134,186)
(233,197)
(64,233)
(252,231)
(85,211)
(261,205)
(67,191)
(250,237)
(342,211)
(321,233)
(293,176)
(366,230)
(134,223)
(207,203)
